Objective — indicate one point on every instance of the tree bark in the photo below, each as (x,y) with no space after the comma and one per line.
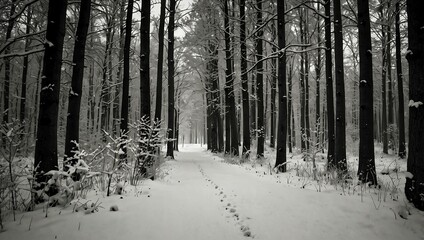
(244,81)
(119,75)
(25,68)
(290,123)
(171,70)
(282,98)
(259,82)
(306,39)
(401,110)
(366,168)
(383,84)
(317,84)
(273,93)
(105,91)
(45,158)
(329,87)
(302,85)
(340,148)
(6,103)
(158,110)
(145,60)
(414,187)
(230,115)
(126,78)
(75,93)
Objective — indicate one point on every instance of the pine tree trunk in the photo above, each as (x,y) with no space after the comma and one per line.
(401,110)
(302,86)
(119,75)
(144,60)
(414,187)
(307,67)
(383,88)
(75,94)
(230,118)
(252,104)
(282,98)
(171,71)
(46,144)
(290,123)
(317,91)
(7,74)
(25,69)
(340,148)
(366,168)
(273,93)
(260,82)
(329,87)
(158,110)
(244,81)
(92,100)
(390,98)
(105,91)
(126,78)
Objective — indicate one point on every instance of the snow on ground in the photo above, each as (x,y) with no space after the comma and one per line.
(201,197)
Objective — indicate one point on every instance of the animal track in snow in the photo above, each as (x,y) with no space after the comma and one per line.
(228,206)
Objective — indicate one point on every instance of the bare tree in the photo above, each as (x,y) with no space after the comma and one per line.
(366,168)
(74,99)
(282,98)
(171,71)
(46,144)
(414,187)
(126,79)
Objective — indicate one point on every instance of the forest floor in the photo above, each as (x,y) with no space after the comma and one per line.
(203,197)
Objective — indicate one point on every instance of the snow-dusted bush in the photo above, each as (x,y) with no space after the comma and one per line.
(146,148)
(13,169)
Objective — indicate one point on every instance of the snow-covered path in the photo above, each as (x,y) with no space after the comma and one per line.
(203,198)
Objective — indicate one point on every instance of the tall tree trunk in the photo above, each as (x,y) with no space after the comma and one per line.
(329,87)
(273,93)
(260,82)
(209,118)
(92,100)
(75,94)
(341,163)
(45,158)
(158,110)
(302,85)
(401,110)
(390,106)
(25,68)
(414,187)
(253,103)
(282,98)
(290,123)
(6,93)
(126,78)
(383,83)
(307,67)
(105,91)
(366,168)
(244,81)
(144,60)
(318,81)
(119,75)
(230,119)
(171,70)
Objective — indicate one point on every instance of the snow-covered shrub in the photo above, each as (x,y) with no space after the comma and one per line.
(146,148)
(12,168)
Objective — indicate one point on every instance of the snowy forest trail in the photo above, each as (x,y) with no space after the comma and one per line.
(201,197)
(273,210)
